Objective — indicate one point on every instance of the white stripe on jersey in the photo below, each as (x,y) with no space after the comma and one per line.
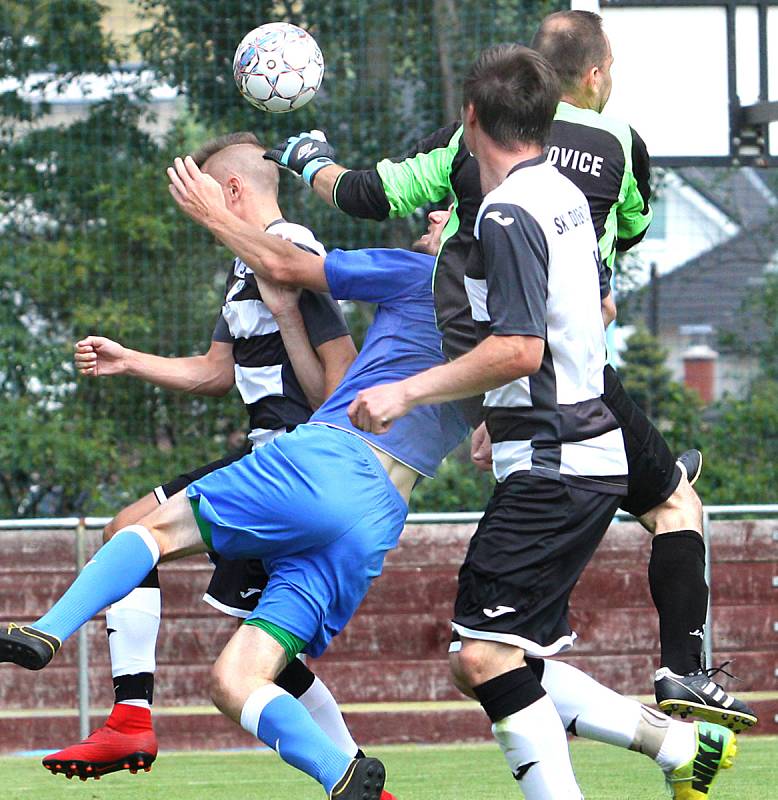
(246,318)
(508,457)
(515,394)
(254,383)
(606,451)
(476,294)
(297,234)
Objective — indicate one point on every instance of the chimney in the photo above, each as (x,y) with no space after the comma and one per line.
(699,371)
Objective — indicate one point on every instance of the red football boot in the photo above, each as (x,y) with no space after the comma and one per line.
(386,796)
(126,741)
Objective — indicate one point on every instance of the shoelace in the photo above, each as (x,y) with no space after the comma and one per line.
(711,671)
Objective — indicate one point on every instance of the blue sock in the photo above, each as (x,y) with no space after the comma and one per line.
(284,724)
(116,569)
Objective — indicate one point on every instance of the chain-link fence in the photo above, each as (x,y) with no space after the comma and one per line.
(96,99)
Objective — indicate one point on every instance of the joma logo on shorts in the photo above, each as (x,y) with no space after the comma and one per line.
(499,611)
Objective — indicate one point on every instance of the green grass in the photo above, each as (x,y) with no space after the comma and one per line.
(415,773)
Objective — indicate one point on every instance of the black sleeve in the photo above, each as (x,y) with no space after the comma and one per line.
(221,333)
(605,274)
(515,260)
(641,169)
(322,316)
(360,192)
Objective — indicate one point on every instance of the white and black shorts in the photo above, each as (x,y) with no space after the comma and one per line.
(530,548)
(235,586)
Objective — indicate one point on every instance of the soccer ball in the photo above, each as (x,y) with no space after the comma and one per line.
(278,67)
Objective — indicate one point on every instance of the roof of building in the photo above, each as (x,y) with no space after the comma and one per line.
(742,193)
(713,288)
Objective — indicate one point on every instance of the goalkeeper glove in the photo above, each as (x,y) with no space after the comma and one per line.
(304,154)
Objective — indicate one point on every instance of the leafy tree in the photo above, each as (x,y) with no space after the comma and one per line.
(91,243)
(458,486)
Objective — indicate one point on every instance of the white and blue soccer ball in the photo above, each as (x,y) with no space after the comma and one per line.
(278,67)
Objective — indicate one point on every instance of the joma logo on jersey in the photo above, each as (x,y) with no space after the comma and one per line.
(499,218)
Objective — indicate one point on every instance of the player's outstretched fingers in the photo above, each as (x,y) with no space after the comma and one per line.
(177,188)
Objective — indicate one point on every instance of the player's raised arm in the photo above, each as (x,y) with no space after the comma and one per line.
(394,188)
(200,197)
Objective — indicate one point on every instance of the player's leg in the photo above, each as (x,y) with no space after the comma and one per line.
(127,739)
(592,711)
(662,498)
(525,722)
(244,687)
(169,532)
(234,589)
(530,547)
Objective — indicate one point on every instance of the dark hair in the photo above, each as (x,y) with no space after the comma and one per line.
(514,92)
(573,42)
(202,154)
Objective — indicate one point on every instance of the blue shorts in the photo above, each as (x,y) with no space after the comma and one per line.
(319,509)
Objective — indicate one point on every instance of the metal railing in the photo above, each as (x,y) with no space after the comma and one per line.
(80,526)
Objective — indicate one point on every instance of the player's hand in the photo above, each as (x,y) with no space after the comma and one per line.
(97,356)
(304,154)
(481,448)
(374,410)
(198,195)
(279,299)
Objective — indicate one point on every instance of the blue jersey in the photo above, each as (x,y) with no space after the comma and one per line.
(402,341)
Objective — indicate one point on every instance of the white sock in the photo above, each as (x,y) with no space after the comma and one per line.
(134,621)
(255,705)
(136,703)
(535,746)
(599,713)
(679,746)
(324,709)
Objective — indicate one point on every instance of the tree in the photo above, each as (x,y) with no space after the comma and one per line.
(674,408)
(92,244)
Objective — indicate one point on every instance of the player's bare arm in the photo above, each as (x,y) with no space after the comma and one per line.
(608,307)
(497,360)
(211,374)
(319,370)
(200,197)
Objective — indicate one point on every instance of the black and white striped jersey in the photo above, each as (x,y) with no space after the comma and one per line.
(540,274)
(263,371)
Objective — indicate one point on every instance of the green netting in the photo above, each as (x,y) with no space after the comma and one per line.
(95,100)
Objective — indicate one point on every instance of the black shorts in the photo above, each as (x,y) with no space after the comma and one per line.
(235,586)
(653,473)
(531,546)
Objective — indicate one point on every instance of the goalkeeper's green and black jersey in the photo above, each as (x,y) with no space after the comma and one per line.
(605,158)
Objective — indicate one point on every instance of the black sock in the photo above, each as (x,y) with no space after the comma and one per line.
(134,687)
(296,678)
(676,576)
(508,693)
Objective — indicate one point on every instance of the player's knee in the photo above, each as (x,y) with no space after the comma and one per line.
(111,529)
(457,676)
(472,666)
(219,687)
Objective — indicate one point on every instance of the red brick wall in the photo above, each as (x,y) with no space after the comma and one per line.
(395,648)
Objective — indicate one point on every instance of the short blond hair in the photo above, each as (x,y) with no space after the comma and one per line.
(239,154)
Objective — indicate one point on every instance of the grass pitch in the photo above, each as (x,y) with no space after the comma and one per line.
(415,773)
